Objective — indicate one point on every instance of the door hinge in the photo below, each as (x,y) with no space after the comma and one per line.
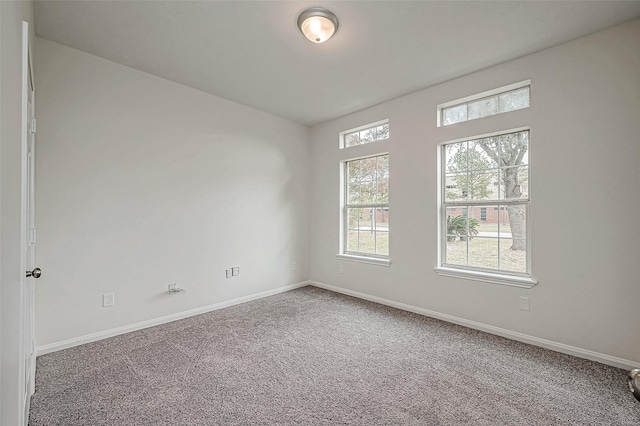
(33,236)
(32,127)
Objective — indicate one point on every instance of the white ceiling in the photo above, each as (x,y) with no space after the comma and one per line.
(254,54)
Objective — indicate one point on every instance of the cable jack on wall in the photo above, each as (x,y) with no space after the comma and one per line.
(173,288)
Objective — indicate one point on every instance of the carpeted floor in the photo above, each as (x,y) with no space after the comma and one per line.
(311,357)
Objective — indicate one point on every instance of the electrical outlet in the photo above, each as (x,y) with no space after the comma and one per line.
(173,288)
(235,271)
(341,269)
(524,303)
(108,299)
(228,272)
(294,266)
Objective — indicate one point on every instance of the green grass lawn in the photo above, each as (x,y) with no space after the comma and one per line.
(368,242)
(483,253)
(493,227)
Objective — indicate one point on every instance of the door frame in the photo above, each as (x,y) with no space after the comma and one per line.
(26,363)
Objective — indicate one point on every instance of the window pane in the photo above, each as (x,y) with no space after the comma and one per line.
(351,139)
(516,99)
(483,107)
(488,218)
(455,187)
(353,225)
(488,145)
(367,241)
(502,222)
(481,185)
(367,169)
(383,192)
(513,238)
(367,135)
(353,171)
(514,182)
(479,159)
(483,252)
(353,193)
(457,222)
(473,219)
(368,192)
(382,219)
(512,148)
(383,167)
(382,132)
(382,175)
(382,231)
(456,157)
(352,241)
(512,260)
(513,224)
(454,114)
(367,222)
(456,252)
(382,243)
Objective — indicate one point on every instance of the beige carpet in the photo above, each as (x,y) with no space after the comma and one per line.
(313,357)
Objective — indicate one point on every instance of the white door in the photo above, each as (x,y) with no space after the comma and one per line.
(27,357)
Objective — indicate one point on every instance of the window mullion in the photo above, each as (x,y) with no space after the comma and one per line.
(481,203)
(366,206)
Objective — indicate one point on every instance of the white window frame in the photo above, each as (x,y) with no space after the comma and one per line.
(383,260)
(342,142)
(479,96)
(524,280)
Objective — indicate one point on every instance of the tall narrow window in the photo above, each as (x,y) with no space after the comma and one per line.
(366,207)
(491,233)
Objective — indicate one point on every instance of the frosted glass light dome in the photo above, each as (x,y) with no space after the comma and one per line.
(318,24)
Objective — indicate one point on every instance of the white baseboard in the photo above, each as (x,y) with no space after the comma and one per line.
(65,344)
(536,341)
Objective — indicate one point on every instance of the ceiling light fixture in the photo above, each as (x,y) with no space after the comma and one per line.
(318,24)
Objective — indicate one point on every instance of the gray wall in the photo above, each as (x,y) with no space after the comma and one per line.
(585,156)
(12,15)
(142,182)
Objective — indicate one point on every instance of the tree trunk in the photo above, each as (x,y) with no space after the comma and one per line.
(512,189)
(518,228)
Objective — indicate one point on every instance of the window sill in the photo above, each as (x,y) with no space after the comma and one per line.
(364,259)
(488,277)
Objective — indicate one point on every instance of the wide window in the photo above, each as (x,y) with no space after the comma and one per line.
(366,134)
(366,207)
(485,205)
(504,99)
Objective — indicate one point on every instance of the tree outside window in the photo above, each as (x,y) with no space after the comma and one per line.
(487,238)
